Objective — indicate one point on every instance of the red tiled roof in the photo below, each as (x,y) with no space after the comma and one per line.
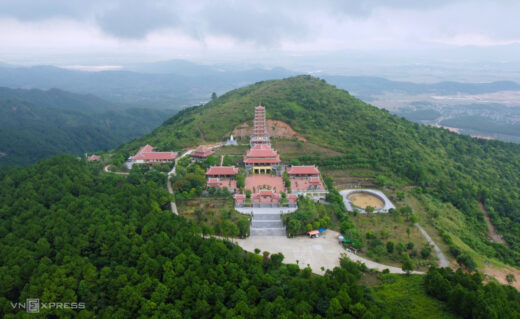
(93,158)
(267,193)
(260,107)
(146,149)
(240,196)
(202,151)
(221,170)
(314,180)
(303,170)
(213,181)
(261,147)
(261,151)
(292,196)
(147,153)
(159,156)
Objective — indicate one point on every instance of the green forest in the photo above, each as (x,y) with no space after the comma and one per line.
(452,168)
(71,233)
(36,124)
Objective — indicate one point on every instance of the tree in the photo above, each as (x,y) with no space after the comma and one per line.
(426,251)
(335,308)
(407,266)
(390,247)
(276,260)
(510,278)
(294,227)
(213,96)
(243,227)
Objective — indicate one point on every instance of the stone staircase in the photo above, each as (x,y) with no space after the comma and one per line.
(267,225)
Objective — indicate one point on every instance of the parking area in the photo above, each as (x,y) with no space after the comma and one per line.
(324,251)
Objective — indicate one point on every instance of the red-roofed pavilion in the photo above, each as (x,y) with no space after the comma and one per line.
(202,152)
(148,155)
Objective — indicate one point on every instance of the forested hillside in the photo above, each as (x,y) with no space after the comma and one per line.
(35,124)
(71,233)
(450,167)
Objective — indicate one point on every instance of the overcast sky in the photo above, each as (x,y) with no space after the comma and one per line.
(109,32)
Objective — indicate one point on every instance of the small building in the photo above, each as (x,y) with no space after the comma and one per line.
(201,153)
(222,172)
(266,198)
(222,177)
(214,182)
(148,155)
(315,183)
(240,200)
(93,158)
(303,171)
(292,198)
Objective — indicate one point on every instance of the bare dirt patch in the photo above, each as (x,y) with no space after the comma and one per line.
(500,275)
(491,229)
(364,200)
(274,129)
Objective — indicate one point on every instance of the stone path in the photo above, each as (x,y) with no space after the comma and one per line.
(443,261)
(267,224)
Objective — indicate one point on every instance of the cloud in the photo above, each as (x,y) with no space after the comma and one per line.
(135,19)
(263,25)
(164,28)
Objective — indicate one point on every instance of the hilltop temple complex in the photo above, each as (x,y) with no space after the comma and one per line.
(264,173)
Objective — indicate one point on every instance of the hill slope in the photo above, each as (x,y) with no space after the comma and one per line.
(35,124)
(453,168)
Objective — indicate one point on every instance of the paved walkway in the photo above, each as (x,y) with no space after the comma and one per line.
(171,173)
(318,252)
(443,261)
(106,169)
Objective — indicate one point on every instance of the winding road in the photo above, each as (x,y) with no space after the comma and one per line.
(106,169)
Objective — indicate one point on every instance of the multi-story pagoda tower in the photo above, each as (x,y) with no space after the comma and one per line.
(259,135)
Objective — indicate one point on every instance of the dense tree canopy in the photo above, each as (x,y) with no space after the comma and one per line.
(70,233)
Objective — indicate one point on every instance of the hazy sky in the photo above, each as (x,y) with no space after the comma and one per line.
(110,31)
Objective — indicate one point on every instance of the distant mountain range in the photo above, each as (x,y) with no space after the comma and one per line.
(178,83)
(35,124)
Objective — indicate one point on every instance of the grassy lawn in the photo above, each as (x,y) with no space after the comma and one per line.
(395,230)
(240,150)
(407,292)
(351,178)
